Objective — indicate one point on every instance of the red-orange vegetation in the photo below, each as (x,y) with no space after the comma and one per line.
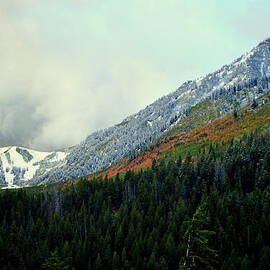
(222,129)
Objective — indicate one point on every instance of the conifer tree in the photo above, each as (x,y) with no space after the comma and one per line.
(199,255)
(55,262)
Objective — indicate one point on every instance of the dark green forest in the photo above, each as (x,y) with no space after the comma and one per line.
(209,211)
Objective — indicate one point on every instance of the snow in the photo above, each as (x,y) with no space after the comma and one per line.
(4,149)
(135,132)
(262,68)
(160,116)
(11,186)
(13,163)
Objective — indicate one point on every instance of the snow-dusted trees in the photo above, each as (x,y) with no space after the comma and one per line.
(239,83)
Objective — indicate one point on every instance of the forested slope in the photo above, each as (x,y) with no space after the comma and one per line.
(210,211)
(174,145)
(232,86)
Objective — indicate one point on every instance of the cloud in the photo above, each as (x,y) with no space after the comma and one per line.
(52,95)
(70,67)
(254,22)
(14,127)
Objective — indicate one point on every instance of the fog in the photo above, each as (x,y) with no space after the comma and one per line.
(71,67)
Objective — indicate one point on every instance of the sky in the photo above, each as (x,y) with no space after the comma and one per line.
(71,67)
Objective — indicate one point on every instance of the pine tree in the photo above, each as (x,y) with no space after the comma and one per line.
(116,261)
(264,259)
(198,252)
(152,261)
(55,262)
(98,264)
(245,263)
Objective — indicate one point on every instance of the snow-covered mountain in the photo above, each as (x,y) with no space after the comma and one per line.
(233,85)
(18,165)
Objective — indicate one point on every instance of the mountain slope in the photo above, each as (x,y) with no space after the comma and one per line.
(149,219)
(182,146)
(232,86)
(228,89)
(18,165)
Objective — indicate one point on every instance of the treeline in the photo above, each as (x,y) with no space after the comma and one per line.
(211,211)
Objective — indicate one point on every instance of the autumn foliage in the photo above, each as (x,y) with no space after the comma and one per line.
(219,130)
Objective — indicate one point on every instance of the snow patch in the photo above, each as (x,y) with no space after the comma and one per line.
(17,168)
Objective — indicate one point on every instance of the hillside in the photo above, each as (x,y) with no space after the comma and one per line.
(174,145)
(231,87)
(195,103)
(198,197)
(18,165)
(209,211)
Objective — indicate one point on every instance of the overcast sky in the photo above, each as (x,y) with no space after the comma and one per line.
(70,67)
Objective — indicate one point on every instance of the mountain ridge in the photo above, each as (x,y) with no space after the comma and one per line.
(137,131)
(18,165)
(175,147)
(232,86)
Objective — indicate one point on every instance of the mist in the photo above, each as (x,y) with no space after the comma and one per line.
(69,68)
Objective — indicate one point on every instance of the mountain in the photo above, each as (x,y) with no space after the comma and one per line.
(228,89)
(208,210)
(18,165)
(232,86)
(181,146)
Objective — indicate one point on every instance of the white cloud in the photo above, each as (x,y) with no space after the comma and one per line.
(50,99)
(254,22)
(70,67)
